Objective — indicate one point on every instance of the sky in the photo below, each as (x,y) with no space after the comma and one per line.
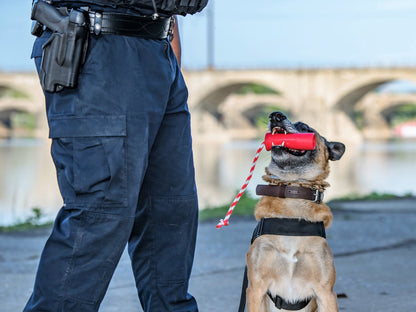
(264,34)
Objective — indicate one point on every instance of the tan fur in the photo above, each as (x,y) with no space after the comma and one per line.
(295,268)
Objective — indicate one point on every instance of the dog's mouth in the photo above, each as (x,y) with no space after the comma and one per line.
(282,130)
(278,130)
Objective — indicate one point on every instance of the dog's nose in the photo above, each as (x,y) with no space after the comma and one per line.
(277,116)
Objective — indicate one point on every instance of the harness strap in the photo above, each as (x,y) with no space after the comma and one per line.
(243,296)
(286,227)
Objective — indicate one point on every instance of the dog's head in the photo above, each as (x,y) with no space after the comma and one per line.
(297,165)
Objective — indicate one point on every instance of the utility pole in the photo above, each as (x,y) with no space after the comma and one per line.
(210,36)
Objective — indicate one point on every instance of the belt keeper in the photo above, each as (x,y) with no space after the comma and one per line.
(98,21)
(170,31)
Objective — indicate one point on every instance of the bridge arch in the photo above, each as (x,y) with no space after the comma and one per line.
(258,114)
(236,111)
(214,98)
(388,112)
(348,100)
(375,117)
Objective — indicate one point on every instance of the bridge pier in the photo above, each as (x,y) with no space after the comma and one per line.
(333,125)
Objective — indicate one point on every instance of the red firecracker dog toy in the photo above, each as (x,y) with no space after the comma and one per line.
(298,141)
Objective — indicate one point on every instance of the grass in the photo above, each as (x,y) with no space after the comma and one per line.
(24,226)
(256,89)
(245,207)
(371,196)
(32,222)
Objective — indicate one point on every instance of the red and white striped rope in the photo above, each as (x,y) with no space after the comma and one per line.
(243,188)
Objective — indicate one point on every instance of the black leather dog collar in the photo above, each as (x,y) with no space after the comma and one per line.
(288,191)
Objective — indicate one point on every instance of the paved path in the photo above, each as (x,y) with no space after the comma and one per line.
(374,247)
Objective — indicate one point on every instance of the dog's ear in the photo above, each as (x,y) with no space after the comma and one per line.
(336,150)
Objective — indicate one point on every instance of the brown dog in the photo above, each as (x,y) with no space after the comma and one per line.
(290,267)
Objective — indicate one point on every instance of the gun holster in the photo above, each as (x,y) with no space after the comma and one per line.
(66,49)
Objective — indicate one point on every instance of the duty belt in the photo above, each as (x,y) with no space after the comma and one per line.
(130,25)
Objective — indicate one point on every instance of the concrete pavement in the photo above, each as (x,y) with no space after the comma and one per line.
(374,245)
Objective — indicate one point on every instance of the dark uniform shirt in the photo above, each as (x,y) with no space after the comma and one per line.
(145,7)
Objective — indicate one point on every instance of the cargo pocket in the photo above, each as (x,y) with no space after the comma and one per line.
(90,158)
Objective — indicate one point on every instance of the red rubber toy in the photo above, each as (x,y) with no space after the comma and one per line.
(298,141)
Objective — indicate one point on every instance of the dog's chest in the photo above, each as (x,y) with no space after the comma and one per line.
(289,252)
(288,263)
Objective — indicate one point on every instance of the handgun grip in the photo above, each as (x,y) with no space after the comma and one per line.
(49,16)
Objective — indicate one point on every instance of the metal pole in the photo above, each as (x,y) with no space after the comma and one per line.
(210,36)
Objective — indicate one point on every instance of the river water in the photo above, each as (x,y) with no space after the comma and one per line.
(28,178)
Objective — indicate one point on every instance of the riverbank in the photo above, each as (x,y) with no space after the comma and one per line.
(374,248)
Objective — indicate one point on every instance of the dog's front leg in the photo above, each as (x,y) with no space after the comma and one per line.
(256,300)
(327,301)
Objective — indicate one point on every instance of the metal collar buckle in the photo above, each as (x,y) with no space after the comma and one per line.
(319,196)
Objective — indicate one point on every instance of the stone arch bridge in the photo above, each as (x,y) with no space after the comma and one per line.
(324,98)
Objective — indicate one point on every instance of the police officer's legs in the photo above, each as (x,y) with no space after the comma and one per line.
(101,132)
(162,242)
(91,230)
(76,264)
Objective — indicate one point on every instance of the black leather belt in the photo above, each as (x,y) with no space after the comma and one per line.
(130,25)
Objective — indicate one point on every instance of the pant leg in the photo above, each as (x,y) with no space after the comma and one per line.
(102,132)
(162,242)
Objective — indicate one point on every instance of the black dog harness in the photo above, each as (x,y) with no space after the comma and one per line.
(287,227)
